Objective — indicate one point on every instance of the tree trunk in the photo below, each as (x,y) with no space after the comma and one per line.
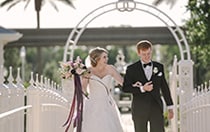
(38,19)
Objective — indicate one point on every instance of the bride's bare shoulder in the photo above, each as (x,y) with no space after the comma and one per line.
(111,68)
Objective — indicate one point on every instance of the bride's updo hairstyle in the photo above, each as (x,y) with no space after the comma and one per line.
(95,55)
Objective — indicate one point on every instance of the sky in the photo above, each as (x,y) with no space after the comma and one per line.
(67,17)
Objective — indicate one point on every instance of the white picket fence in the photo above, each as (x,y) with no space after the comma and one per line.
(191,112)
(44,106)
(195,113)
(41,107)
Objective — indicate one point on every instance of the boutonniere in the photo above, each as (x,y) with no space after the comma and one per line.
(157,72)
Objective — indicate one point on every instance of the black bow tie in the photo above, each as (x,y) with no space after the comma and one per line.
(148,64)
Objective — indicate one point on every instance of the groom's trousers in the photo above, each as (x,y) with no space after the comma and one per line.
(154,116)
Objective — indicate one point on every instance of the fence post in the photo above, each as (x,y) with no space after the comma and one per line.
(33,99)
(20,102)
(173,87)
(3,100)
(68,90)
(13,103)
(186,89)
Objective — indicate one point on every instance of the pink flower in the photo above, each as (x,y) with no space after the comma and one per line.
(68,69)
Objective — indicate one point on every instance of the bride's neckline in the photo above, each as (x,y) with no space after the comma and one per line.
(101,77)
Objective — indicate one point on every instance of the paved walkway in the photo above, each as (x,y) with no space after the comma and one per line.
(128,123)
(126,116)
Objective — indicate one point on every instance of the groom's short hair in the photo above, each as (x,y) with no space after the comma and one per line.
(143,45)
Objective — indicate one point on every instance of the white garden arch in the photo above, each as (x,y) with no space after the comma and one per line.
(183,73)
(123,6)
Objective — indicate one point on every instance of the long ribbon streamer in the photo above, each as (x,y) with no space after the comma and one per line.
(77,104)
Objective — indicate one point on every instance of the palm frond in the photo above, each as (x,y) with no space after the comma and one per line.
(68,2)
(54,5)
(6,2)
(13,4)
(168,2)
(157,2)
(10,3)
(27,3)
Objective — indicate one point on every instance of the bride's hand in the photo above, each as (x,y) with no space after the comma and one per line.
(86,94)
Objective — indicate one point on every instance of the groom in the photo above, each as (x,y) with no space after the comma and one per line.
(145,79)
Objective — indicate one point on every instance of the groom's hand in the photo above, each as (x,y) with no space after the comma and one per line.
(170,114)
(148,86)
(137,84)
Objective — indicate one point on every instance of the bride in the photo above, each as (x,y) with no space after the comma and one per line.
(100,111)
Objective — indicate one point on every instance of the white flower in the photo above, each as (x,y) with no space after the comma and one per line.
(155,70)
(160,74)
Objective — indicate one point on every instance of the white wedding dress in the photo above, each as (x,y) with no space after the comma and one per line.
(100,113)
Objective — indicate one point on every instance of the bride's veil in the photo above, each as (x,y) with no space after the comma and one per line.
(87,62)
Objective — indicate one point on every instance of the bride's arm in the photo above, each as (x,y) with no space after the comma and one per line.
(85,82)
(115,74)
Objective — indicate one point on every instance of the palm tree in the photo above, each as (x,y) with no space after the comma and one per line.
(38,5)
(169,2)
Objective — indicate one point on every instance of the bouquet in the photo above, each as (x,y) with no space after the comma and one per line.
(69,70)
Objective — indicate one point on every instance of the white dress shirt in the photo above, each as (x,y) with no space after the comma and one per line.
(147,72)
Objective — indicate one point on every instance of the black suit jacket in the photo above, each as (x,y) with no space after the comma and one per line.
(141,101)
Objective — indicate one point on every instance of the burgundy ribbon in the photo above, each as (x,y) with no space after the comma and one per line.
(77,103)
